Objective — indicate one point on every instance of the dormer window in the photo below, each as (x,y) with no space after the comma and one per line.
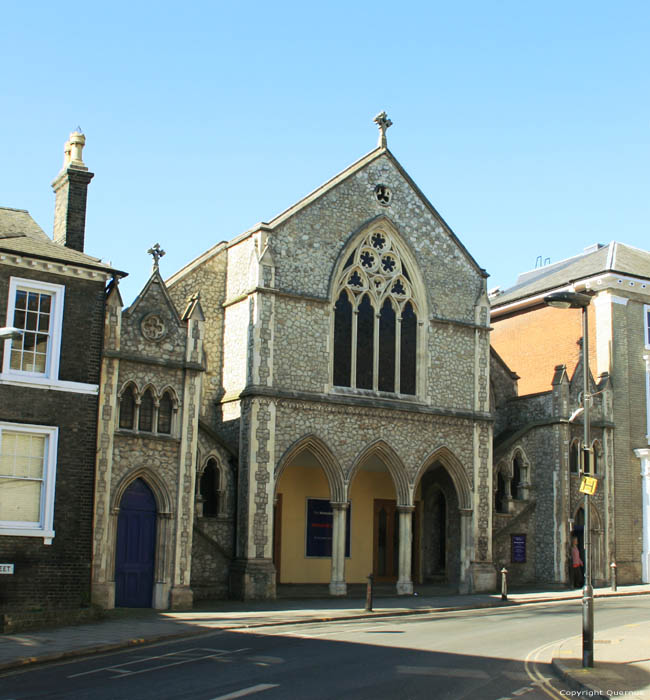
(375,319)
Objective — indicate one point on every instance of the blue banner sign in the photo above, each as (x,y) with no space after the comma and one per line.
(518,549)
(319,528)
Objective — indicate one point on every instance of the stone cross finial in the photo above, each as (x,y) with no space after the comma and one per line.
(156,253)
(383,122)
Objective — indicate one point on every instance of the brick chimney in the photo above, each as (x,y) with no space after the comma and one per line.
(71,187)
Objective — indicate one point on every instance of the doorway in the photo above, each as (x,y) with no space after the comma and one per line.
(386,541)
(136,544)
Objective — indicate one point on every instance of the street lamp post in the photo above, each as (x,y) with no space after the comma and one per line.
(10,333)
(575,300)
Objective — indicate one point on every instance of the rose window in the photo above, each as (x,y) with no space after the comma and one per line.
(375,320)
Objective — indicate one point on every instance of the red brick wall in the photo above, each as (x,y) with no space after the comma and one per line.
(532,342)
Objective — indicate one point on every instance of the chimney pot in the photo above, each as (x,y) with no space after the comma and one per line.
(71,189)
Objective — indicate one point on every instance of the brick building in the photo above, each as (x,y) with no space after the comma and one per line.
(52,298)
(532,339)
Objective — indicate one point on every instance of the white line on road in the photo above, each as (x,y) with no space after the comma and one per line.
(443,671)
(184,656)
(247,691)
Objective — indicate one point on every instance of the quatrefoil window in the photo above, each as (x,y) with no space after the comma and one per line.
(153,327)
(383,195)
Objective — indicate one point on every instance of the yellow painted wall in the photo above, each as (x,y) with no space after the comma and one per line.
(296,485)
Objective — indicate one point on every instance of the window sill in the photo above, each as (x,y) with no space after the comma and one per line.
(126,432)
(47,535)
(46,383)
(371,393)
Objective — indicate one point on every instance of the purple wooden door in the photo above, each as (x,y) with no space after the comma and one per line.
(136,544)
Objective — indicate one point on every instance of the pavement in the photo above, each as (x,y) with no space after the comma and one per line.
(622,654)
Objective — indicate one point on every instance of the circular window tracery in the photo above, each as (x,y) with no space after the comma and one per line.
(153,327)
(383,195)
(376,266)
(375,320)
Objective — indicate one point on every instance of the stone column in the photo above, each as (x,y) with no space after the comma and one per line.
(404,582)
(103,561)
(507,497)
(465,584)
(252,574)
(338,586)
(644,456)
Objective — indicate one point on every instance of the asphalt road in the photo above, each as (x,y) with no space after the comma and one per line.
(494,654)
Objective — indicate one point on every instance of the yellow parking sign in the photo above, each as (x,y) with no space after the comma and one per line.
(588,485)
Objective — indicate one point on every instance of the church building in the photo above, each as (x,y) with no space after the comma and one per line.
(327,377)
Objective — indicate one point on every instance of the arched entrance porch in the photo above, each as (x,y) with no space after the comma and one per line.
(596,559)
(382,534)
(442,531)
(311,537)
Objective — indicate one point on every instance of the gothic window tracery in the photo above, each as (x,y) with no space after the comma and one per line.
(165,412)
(127,408)
(375,319)
(145,420)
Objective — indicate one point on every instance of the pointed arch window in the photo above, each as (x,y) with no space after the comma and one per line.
(127,408)
(145,421)
(574,457)
(209,489)
(165,413)
(375,320)
(517,477)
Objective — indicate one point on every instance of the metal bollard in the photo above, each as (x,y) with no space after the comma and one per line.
(504,583)
(369,593)
(612,568)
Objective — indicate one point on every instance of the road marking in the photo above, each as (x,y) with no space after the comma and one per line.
(537,678)
(515,675)
(443,671)
(185,656)
(247,691)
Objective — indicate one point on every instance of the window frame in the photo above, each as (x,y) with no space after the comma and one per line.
(45,527)
(412,295)
(57,292)
(646,326)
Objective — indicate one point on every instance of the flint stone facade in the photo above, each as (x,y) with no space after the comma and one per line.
(268,302)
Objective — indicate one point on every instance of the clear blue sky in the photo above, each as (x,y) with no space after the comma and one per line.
(526,124)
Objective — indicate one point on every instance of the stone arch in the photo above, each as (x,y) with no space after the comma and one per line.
(153,481)
(168,388)
(327,461)
(574,456)
(501,479)
(215,498)
(393,463)
(127,405)
(150,387)
(597,456)
(520,490)
(376,265)
(129,383)
(597,522)
(404,249)
(598,545)
(456,471)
